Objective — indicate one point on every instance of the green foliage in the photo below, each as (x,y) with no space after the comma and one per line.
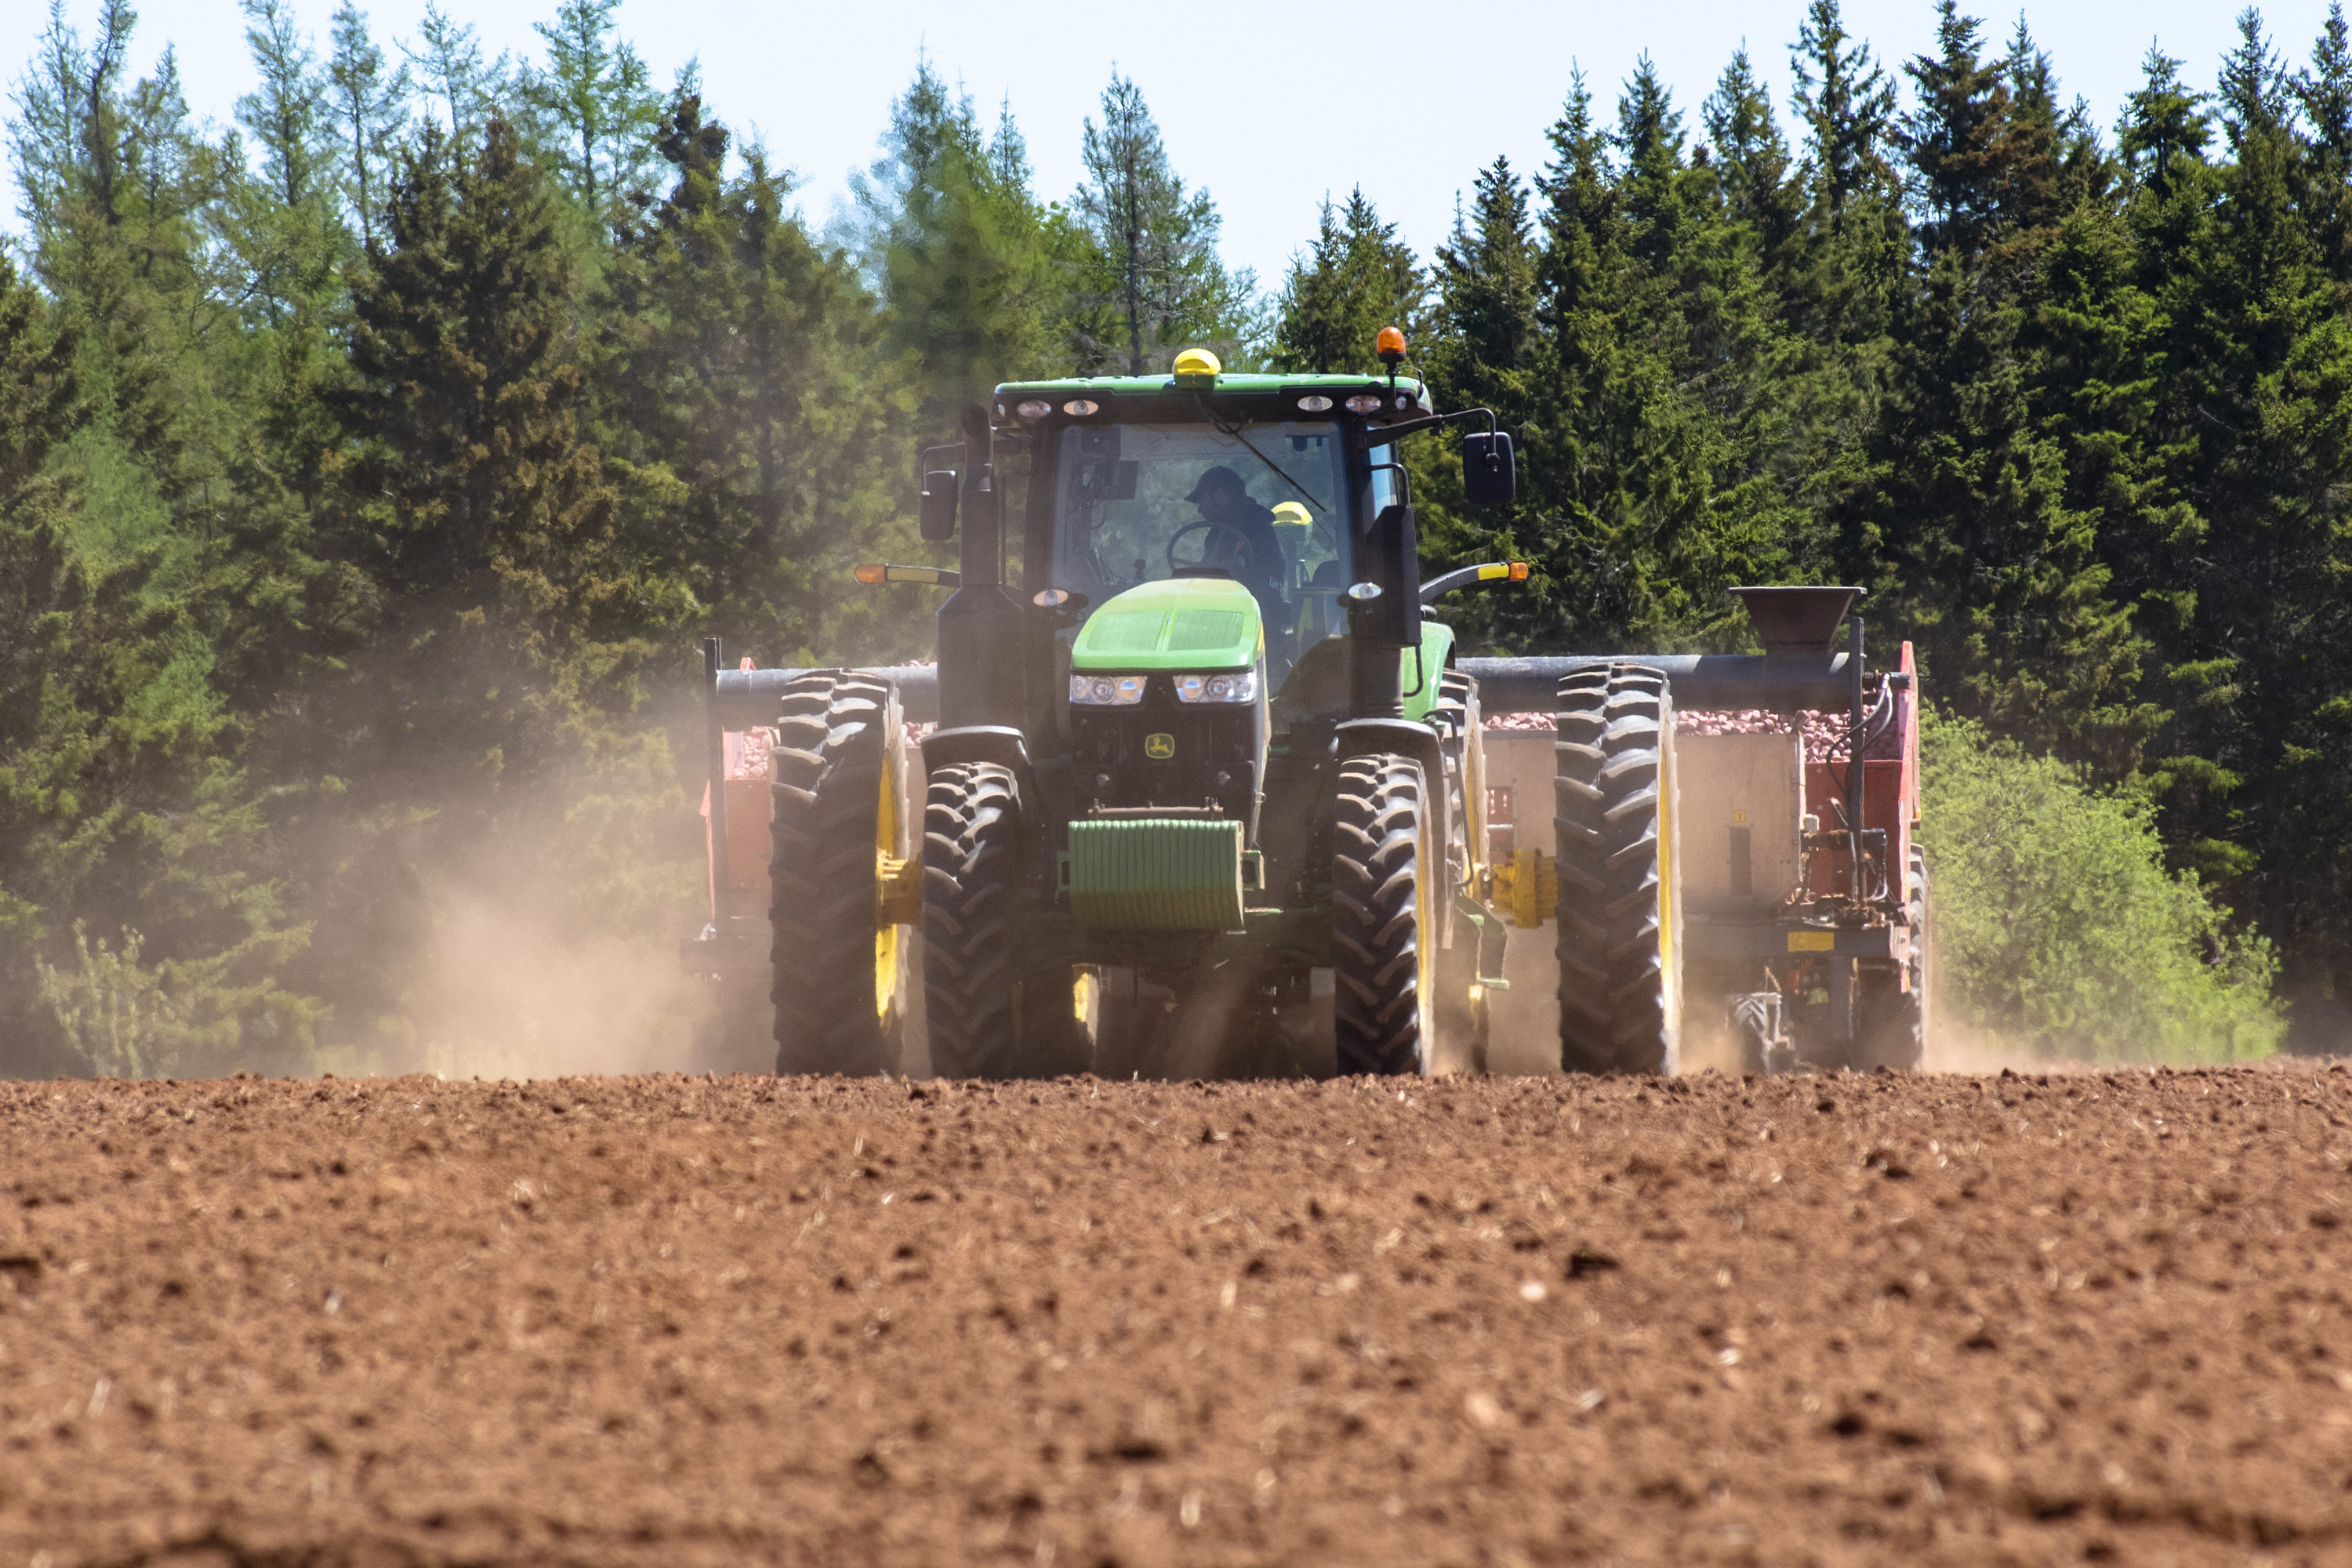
(597,106)
(1356,278)
(2058,927)
(749,387)
(959,246)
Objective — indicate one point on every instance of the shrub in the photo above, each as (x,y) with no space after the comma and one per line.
(2058,926)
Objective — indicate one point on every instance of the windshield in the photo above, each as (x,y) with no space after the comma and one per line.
(1135,503)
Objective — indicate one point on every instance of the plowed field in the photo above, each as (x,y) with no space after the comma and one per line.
(1942,1320)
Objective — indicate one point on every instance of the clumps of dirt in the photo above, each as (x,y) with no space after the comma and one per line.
(671,1320)
(1824,733)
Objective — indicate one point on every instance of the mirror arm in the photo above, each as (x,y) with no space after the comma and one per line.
(1373,436)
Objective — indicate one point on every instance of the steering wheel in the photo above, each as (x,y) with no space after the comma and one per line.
(1242,549)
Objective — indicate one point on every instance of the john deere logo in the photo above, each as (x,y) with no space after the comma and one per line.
(1160,748)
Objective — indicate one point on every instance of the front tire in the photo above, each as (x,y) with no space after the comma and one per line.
(1619,910)
(972,889)
(1384,937)
(836,974)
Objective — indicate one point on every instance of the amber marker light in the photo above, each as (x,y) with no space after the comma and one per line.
(876,573)
(1518,571)
(1390,346)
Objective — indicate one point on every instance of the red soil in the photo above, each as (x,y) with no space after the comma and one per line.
(663,1320)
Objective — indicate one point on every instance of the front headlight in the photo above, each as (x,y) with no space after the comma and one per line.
(1239,687)
(1107,691)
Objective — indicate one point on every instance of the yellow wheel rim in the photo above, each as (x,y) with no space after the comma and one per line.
(886,935)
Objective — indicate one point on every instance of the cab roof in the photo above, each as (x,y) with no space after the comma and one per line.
(1149,394)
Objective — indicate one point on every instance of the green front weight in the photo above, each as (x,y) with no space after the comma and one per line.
(1157,874)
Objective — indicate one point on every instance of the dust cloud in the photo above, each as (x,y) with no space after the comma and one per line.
(505,988)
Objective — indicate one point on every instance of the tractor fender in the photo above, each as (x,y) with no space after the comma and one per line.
(1363,737)
(998,743)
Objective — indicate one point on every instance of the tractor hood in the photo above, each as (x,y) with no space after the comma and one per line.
(1184,623)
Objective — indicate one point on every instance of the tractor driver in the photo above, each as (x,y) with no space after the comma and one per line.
(1243,541)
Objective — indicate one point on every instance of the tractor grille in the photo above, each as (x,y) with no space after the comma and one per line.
(1210,754)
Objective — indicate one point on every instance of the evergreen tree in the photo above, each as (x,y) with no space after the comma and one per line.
(749,364)
(1752,164)
(599,111)
(1981,556)
(367,104)
(2251,421)
(1356,278)
(1848,104)
(478,488)
(958,244)
(1961,139)
(506,618)
(1152,281)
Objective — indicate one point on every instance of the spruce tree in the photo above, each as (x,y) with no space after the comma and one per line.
(1355,279)
(1152,281)
(1975,548)
(2253,426)
(599,112)
(958,242)
(1848,104)
(1752,164)
(1960,139)
(747,362)
(2325,92)
(367,104)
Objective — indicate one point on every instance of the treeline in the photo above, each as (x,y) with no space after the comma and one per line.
(368,468)
(2071,403)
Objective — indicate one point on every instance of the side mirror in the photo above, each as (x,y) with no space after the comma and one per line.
(1489,477)
(939,508)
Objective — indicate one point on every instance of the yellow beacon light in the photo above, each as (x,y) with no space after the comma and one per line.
(1197,368)
(1390,346)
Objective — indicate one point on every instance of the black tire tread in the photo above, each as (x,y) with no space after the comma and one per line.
(836,733)
(1376,840)
(1613,724)
(972,890)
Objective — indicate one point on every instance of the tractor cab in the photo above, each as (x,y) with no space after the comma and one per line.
(1229,566)
(1269,509)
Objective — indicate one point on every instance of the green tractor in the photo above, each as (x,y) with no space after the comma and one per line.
(1207,795)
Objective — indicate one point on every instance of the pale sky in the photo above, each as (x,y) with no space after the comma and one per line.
(1269,107)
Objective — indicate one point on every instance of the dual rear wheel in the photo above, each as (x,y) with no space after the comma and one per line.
(837,971)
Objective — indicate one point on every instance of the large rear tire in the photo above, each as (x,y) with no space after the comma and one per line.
(1385,881)
(972,889)
(836,974)
(1619,910)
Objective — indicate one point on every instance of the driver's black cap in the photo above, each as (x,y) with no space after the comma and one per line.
(1217,478)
